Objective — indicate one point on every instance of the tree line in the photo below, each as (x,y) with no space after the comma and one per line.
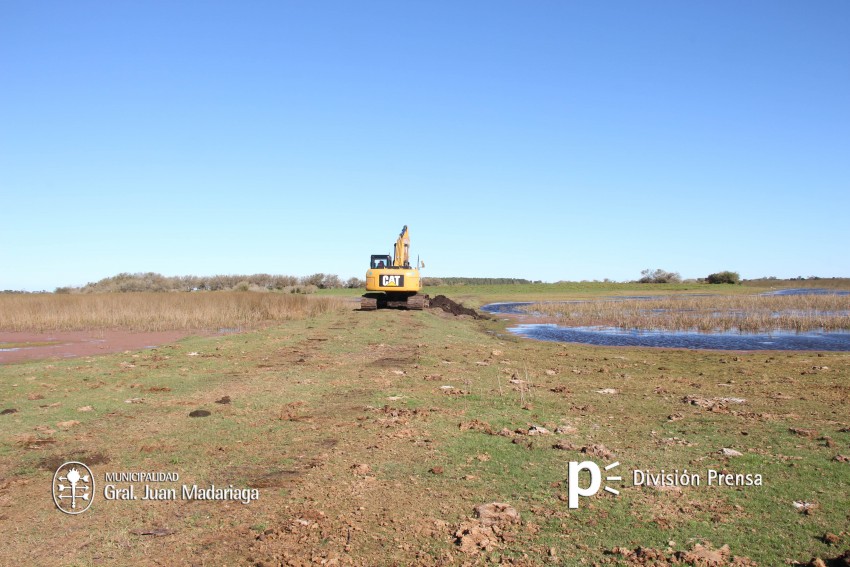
(151,281)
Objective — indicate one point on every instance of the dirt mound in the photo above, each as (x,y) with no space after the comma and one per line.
(454,308)
(842,560)
(487,530)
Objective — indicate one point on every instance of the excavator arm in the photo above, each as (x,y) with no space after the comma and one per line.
(401,259)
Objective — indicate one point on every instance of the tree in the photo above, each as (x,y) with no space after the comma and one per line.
(724,277)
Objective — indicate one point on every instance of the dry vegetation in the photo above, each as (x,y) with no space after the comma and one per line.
(151,311)
(747,313)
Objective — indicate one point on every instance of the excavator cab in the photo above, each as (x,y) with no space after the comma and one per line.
(379,261)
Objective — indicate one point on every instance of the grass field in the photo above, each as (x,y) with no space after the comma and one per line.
(150,311)
(475,295)
(362,457)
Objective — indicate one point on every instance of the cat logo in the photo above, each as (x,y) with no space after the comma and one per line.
(392,281)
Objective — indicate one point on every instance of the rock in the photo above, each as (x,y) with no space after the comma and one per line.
(85,408)
(67,424)
(538,430)
(565,430)
(437,470)
(805,507)
(726,452)
(607,391)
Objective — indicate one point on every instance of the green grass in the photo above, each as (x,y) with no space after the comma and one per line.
(305,411)
(476,295)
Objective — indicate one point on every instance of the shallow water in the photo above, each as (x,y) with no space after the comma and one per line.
(718,340)
(609,336)
(807,291)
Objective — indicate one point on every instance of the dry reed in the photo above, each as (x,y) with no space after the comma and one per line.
(746,313)
(155,311)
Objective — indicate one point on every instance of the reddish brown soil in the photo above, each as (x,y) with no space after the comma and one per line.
(82,343)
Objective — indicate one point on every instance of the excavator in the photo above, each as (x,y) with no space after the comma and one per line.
(396,282)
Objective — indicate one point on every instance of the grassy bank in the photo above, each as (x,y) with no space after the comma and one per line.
(150,311)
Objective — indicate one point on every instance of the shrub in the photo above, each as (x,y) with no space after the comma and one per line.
(726,277)
(659,276)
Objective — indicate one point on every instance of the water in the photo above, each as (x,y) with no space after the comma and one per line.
(718,340)
(807,291)
(725,340)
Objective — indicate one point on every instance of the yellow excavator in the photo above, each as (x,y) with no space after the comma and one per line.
(396,282)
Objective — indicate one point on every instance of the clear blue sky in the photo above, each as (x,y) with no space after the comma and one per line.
(545,140)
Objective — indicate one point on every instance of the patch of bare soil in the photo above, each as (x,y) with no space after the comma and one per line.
(91,458)
(70,344)
(454,308)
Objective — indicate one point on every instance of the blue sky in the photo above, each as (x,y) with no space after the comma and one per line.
(545,140)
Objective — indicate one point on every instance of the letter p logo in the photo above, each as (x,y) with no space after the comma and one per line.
(574,490)
(572,479)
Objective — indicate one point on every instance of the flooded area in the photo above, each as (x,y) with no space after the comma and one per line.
(534,325)
(726,340)
(24,346)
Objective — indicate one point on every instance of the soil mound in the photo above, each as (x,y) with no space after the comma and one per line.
(449,306)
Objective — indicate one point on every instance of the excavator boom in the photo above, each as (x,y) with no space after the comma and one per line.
(401,258)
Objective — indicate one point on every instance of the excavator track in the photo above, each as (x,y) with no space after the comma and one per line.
(417,302)
(373,301)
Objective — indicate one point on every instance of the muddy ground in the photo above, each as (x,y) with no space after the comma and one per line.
(23,346)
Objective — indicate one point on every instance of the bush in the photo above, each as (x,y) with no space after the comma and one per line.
(724,277)
(659,276)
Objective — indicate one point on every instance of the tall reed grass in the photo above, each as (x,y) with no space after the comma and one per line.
(155,311)
(746,313)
